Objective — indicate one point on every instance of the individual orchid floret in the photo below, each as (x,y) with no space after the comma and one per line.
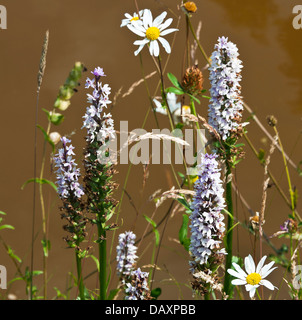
(138,288)
(226,106)
(67,173)
(152,31)
(129,19)
(126,254)
(207,226)
(252,277)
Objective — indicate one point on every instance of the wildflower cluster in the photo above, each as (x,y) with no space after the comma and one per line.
(225,109)
(207,226)
(133,280)
(126,254)
(71,192)
(138,288)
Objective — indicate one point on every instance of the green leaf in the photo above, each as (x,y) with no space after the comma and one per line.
(155,293)
(194,98)
(184,203)
(46,246)
(40,181)
(174,81)
(175,90)
(156,232)
(96,260)
(3,213)
(6,226)
(46,137)
(113,293)
(54,117)
(183,232)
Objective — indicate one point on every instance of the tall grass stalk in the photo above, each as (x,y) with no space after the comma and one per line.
(41,72)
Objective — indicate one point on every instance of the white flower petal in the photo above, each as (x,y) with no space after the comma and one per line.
(155,48)
(127,15)
(238,282)
(141,42)
(265,273)
(135,30)
(151,48)
(165,24)
(236,274)
(165,44)
(139,50)
(267,284)
(158,20)
(260,264)
(239,270)
(147,18)
(165,32)
(249,264)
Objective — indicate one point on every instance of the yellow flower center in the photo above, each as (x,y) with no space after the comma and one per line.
(134,19)
(152,33)
(253,278)
(186,109)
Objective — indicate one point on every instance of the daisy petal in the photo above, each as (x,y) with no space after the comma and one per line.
(267,284)
(165,44)
(238,282)
(147,19)
(249,264)
(128,16)
(265,273)
(155,48)
(260,264)
(139,50)
(239,270)
(141,42)
(151,48)
(165,24)
(163,33)
(236,274)
(135,30)
(158,20)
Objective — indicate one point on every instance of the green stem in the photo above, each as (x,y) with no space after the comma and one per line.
(102,259)
(80,277)
(287,173)
(229,235)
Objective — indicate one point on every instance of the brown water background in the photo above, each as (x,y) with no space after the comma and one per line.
(88,31)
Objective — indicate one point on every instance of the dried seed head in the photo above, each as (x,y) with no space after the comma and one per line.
(190,7)
(193,81)
(271,120)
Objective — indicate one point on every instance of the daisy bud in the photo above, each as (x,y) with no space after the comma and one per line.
(55,137)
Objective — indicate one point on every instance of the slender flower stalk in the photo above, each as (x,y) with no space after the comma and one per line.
(207,226)
(225,114)
(71,192)
(98,176)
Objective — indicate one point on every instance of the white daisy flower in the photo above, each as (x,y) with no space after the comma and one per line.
(130,18)
(253,277)
(152,31)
